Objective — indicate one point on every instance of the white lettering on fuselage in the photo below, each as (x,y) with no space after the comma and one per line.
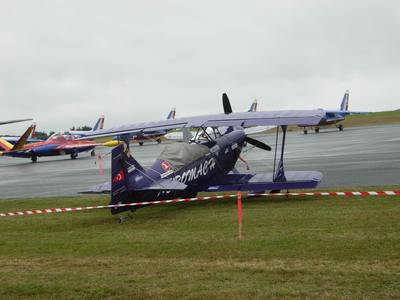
(196,172)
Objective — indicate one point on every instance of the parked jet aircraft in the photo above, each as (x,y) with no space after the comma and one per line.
(156,135)
(82,133)
(333,117)
(57,144)
(185,169)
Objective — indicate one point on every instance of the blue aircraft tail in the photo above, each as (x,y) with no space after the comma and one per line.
(171,114)
(126,173)
(253,106)
(344,106)
(99,124)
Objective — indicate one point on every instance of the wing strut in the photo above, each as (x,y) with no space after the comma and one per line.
(279,172)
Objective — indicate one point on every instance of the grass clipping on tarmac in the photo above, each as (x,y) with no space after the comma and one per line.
(297,247)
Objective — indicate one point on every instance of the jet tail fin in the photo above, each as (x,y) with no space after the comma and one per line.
(22,140)
(171,114)
(33,134)
(253,107)
(344,106)
(99,124)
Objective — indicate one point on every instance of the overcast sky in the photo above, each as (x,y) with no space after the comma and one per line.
(66,62)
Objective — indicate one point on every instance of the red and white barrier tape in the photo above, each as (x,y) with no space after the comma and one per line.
(73,209)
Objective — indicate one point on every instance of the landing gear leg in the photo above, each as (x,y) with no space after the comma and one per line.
(275,191)
(123,219)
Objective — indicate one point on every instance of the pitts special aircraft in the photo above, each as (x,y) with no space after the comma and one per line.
(185,169)
(57,144)
(333,117)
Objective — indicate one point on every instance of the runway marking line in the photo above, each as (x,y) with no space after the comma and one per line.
(133,204)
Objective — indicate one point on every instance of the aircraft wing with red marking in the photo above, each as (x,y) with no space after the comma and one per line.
(243,119)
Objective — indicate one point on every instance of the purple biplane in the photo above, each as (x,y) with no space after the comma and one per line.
(185,169)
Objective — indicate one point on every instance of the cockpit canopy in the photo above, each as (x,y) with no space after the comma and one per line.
(181,154)
(62,137)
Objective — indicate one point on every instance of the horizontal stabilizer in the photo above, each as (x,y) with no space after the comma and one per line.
(104,188)
(164,184)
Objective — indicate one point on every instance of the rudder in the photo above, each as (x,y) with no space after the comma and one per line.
(124,172)
(344,106)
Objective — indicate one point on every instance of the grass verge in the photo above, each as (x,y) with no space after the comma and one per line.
(292,248)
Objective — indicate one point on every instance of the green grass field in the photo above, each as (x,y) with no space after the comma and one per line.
(292,248)
(378,118)
(372,119)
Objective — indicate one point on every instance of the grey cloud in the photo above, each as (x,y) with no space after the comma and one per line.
(66,62)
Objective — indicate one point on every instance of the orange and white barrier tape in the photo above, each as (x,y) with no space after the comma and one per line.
(135,204)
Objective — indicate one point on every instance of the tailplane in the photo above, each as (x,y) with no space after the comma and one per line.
(5,145)
(253,107)
(99,124)
(344,106)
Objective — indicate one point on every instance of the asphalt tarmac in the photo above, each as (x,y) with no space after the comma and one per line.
(360,156)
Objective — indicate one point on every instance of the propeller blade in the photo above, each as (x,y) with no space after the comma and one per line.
(257,144)
(227,104)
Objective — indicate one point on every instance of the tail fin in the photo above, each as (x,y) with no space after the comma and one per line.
(253,106)
(171,114)
(344,106)
(99,124)
(33,134)
(126,172)
(22,140)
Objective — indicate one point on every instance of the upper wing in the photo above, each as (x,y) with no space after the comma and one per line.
(244,119)
(14,121)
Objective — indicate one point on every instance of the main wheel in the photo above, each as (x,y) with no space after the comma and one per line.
(34,158)
(340,127)
(158,141)
(74,155)
(140,143)
(305,131)
(93,153)
(317,130)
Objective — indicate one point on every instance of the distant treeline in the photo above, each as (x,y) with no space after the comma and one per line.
(43,135)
